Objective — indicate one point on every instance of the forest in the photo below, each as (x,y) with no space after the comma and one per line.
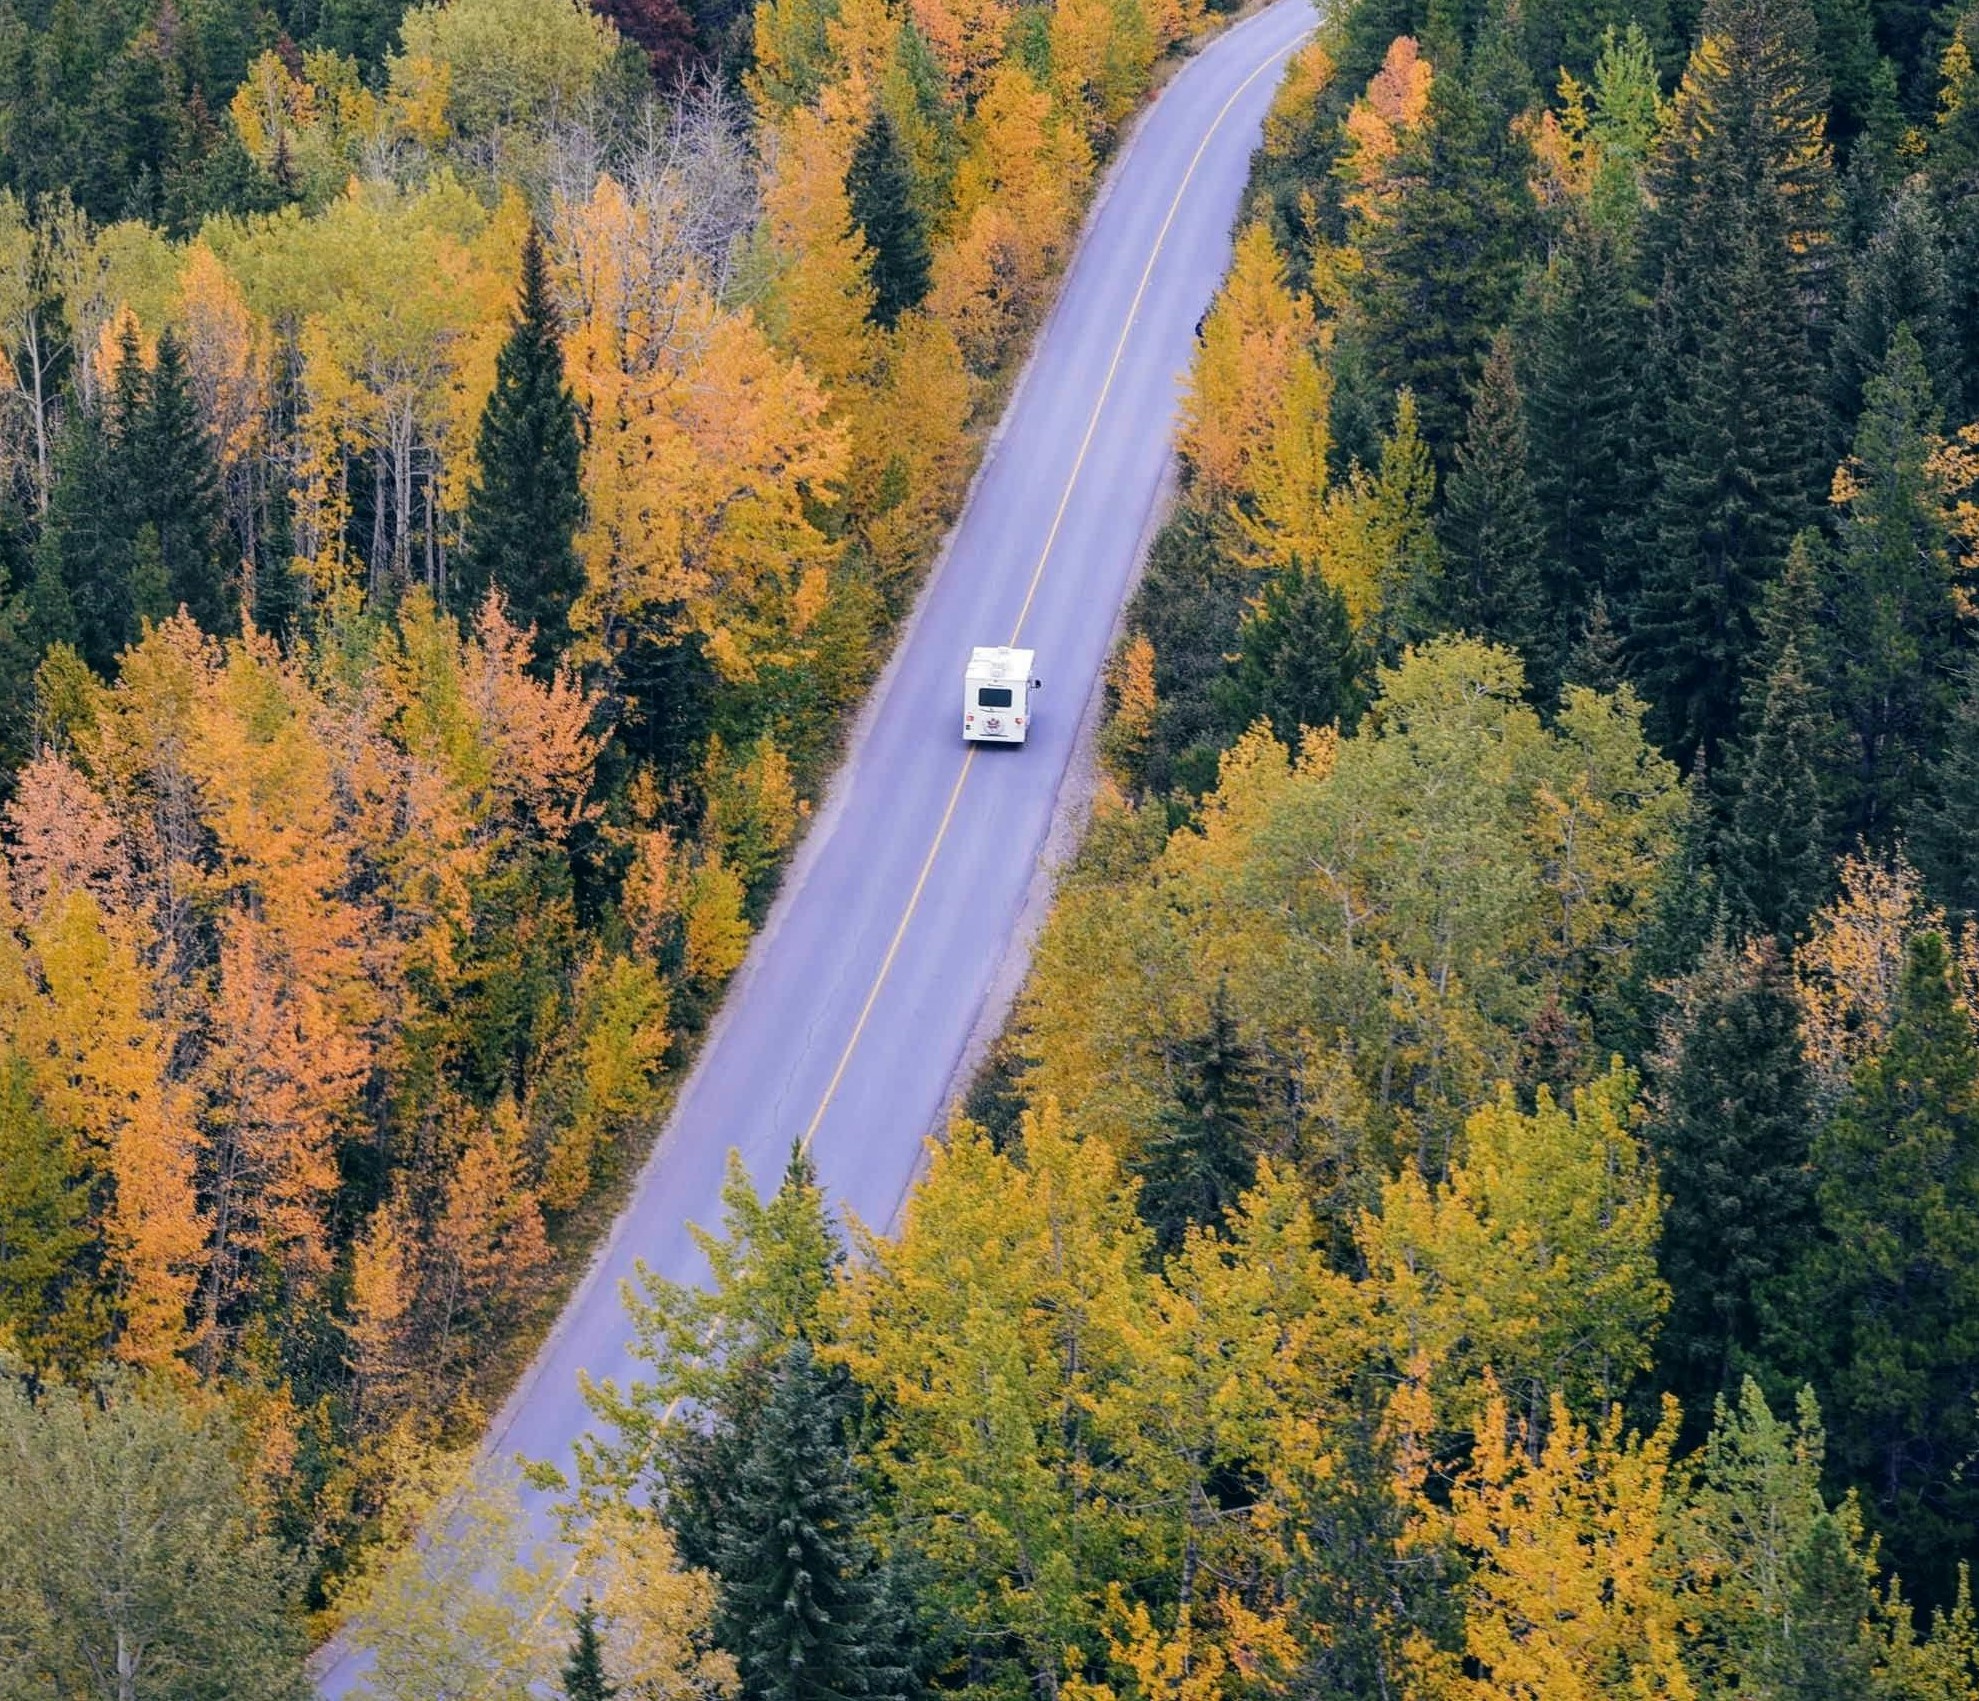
(1480,1196)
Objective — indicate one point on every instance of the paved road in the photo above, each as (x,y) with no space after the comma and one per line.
(849,1019)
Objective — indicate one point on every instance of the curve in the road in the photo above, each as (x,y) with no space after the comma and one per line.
(844,1027)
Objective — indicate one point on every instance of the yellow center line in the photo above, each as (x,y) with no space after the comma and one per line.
(1030,593)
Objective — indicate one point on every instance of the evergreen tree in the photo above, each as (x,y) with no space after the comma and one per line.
(89,547)
(1893,619)
(43,1212)
(804,1607)
(1444,261)
(1579,376)
(1405,529)
(1944,819)
(880,185)
(174,493)
(1731,1133)
(1738,248)
(1773,853)
(584,1671)
(1899,278)
(1298,660)
(1198,1161)
(524,506)
(1491,533)
(1883,1312)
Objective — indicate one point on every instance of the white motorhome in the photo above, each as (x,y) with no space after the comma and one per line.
(996,695)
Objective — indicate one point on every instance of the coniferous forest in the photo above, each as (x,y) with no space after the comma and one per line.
(1479,1199)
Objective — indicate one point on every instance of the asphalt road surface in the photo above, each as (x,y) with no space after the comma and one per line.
(846,1025)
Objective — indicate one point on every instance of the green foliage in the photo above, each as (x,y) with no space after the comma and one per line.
(1492,540)
(1743,188)
(1198,1161)
(584,1672)
(804,1605)
(1944,831)
(880,185)
(1731,1131)
(1893,628)
(523,511)
(132,1562)
(1883,1311)
(1299,662)
(43,1225)
(1443,266)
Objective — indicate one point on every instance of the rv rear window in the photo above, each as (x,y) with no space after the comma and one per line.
(993,697)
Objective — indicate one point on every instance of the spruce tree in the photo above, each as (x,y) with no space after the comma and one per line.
(880,185)
(1883,1312)
(1943,836)
(88,542)
(1298,660)
(1491,533)
(526,501)
(1899,278)
(1580,373)
(584,1671)
(1197,1163)
(174,494)
(1732,493)
(803,1603)
(1405,529)
(1737,249)
(1731,1132)
(1444,262)
(1894,621)
(1773,854)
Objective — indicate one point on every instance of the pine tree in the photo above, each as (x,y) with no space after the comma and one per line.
(1773,853)
(1944,819)
(1883,1312)
(1197,1163)
(175,494)
(1731,1133)
(1894,623)
(1405,531)
(1737,249)
(804,1607)
(1899,278)
(526,501)
(584,1671)
(1491,534)
(879,183)
(1299,662)
(1579,377)
(1444,261)
(43,1209)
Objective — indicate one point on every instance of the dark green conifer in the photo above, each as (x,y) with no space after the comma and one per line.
(526,501)
(880,185)
(1883,1313)
(1199,1160)
(1944,819)
(1893,618)
(1899,278)
(174,495)
(1738,249)
(1491,535)
(1731,1132)
(1444,263)
(1579,376)
(584,1671)
(1299,662)
(1773,854)
(804,1606)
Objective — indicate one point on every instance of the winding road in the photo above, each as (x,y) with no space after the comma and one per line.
(900,913)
